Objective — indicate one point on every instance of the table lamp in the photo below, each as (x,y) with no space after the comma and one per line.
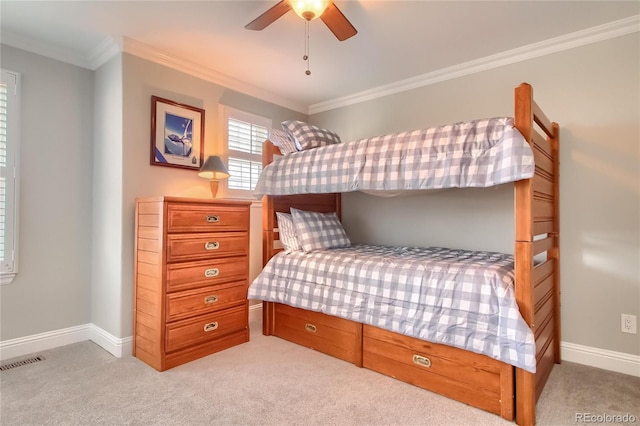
(215,170)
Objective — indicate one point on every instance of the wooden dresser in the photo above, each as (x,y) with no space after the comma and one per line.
(191,277)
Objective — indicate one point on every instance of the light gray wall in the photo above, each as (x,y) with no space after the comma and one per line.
(51,290)
(593,92)
(107,299)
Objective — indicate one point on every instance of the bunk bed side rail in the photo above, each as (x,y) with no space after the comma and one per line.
(537,233)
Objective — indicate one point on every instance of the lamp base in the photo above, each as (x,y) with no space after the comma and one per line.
(214,187)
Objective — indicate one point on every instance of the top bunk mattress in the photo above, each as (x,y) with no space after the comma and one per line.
(479,153)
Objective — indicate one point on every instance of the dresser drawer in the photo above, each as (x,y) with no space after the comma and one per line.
(191,275)
(182,334)
(206,218)
(182,247)
(190,303)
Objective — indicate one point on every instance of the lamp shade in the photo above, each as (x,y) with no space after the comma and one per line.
(214,169)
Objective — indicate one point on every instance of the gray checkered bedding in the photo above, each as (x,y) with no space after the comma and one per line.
(478,153)
(455,297)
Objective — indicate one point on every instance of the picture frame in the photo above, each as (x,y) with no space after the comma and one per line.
(177,134)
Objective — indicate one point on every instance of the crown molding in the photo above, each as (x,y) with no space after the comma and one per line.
(163,58)
(107,49)
(110,47)
(44,49)
(580,38)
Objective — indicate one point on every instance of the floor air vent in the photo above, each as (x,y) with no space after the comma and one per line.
(9,366)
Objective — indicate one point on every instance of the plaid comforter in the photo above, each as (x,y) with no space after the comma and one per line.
(478,153)
(458,298)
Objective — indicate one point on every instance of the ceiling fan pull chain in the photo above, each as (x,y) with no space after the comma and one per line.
(306,46)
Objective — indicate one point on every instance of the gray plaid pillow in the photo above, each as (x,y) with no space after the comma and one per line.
(317,231)
(307,136)
(287,233)
(282,140)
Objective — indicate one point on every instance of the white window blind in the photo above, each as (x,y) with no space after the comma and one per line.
(245,136)
(9,110)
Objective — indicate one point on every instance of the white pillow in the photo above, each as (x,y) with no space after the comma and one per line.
(287,233)
(317,231)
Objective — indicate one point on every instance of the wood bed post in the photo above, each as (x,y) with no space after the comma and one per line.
(537,284)
(267,253)
(525,381)
(268,224)
(555,146)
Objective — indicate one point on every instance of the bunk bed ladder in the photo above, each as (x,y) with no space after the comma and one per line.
(537,253)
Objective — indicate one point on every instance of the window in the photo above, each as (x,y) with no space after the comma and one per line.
(9,143)
(245,134)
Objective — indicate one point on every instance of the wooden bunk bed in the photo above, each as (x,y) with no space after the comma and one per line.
(475,379)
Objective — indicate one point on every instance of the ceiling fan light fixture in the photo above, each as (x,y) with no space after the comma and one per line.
(309,9)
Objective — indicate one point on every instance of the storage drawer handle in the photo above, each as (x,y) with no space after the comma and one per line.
(212,272)
(211,326)
(310,327)
(213,218)
(422,361)
(210,299)
(211,245)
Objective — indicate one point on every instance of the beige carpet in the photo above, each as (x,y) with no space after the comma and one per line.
(269,381)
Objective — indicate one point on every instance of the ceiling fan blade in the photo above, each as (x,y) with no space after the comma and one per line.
(338,23)
(267,18)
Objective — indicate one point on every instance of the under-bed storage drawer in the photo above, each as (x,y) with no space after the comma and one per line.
(472,378)
(334,336)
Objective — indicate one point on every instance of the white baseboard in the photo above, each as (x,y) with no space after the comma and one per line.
(41,342)
(601,358)
(116,346)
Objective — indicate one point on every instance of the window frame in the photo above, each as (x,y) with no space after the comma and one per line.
(12,79)
(227,113)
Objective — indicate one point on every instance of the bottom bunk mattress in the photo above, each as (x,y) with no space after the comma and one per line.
(458,298)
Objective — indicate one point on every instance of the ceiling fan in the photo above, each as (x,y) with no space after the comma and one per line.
(308,10)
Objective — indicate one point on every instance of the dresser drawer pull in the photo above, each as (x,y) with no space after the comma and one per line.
(213,218)
(212,272)
(310,327)
(210,299)
(211,326)
(211,245)
(422,361)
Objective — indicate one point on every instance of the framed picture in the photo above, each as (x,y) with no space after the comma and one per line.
(177,134)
